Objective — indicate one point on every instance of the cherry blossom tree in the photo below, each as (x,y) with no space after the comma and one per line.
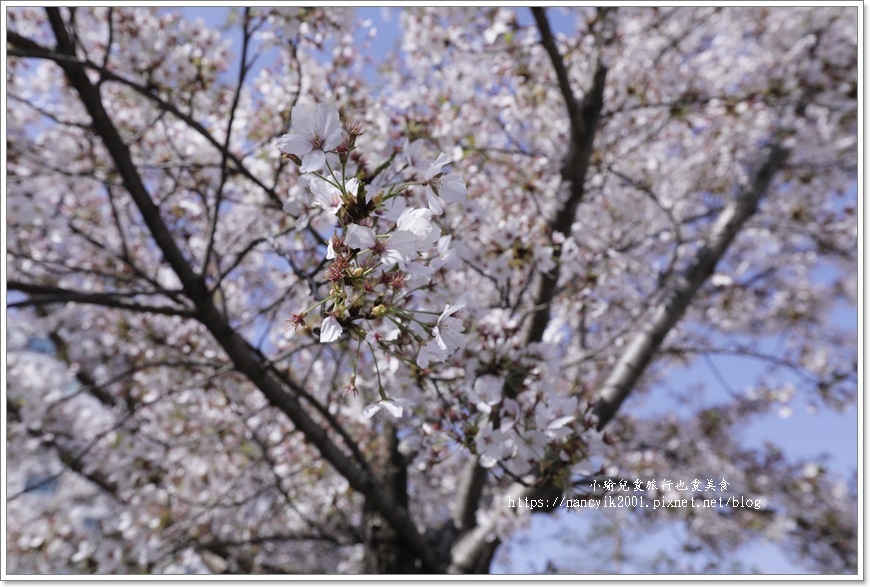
(277,306)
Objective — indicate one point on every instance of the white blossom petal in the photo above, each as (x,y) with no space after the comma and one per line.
(328,126)
(294,144)
(418,222)
(487,462)
(436,204)
(452,188)
(330,329)
(394,407)
(359,237)
(313,161)
(560,422)
(326,195)
(423,356)
(431,350)
(371,409)
(435,168)
(413,153)
(400,248)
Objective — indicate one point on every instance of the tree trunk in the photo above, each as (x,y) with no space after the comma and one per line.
(386,552)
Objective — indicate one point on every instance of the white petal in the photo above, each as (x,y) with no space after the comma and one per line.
(413,153)
(313,161)
(393,408)
(436,204)
(401,248)
(302,119)
(435,169)
(423,357)
(359,237)
(328,125)
(418,270)
(326,195)
(371,409)
(448,334)
(451,309)
(444,244)
(293,143)
(487,462)
(330,330)
(431,351)
(453,188)
(559,422)
(351,186)
(416,220)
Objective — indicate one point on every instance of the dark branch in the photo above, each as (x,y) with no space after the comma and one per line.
(44,295)
(549,44)
(225,151)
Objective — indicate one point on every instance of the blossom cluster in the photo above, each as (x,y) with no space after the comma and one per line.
(382,249)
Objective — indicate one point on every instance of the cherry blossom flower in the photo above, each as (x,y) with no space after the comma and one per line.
(350,388)
(418,222)
(448,337)
(446,256)
(394,407)
(531,447)
(330,329)
(326,195)
(375,337)
(295,321)
(314,131)
(486,392)
(653,197)
(443,189)
(493,445)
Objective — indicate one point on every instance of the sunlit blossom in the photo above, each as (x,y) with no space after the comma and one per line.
(447,338)
(330,329)
(313,132)
(394,407)
(443,189)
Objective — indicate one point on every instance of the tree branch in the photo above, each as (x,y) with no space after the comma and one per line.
(45,295)
(584,124)
(549,44)
(640,351)
(225,151)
